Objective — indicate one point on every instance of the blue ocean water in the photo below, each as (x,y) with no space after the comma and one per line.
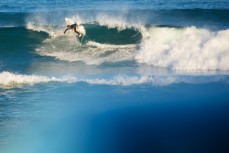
(148,76)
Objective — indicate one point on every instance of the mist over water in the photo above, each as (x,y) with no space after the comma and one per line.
(147,76)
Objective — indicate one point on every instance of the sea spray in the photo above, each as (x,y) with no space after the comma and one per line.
(185,49)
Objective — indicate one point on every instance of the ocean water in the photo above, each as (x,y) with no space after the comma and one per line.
(148,76)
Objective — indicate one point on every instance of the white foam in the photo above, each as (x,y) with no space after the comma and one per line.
(134,80)
(155,80)
(119,22)
(185,49)
(92,54)
(109,46)
(8,79)
(8,26)
(53,31)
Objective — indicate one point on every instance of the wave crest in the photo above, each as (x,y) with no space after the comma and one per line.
(185,49)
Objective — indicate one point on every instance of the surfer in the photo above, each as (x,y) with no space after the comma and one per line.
(74,27)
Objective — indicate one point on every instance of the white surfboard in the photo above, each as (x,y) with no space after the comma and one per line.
(80,28)
(69,21)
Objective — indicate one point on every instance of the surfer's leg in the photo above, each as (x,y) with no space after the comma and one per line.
(76,31)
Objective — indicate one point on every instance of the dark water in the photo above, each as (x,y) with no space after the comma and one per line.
(148,76)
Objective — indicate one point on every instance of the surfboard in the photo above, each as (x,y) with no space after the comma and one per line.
(69,21)
(80,28)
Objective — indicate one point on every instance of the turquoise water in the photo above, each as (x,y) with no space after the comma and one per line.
(148,76)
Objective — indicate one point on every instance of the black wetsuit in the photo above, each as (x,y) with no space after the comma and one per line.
(73,26)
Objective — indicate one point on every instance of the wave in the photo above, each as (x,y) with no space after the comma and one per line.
(101,44)
(134,80)
(156,80)
(93,32)
(9,80)
(185,49)
(121,39)
(12,80)
(9,26)
(92,53)
(188,48)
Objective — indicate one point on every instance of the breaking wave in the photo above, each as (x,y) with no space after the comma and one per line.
(110,39)
(8,79)
(185,49)
(12,80)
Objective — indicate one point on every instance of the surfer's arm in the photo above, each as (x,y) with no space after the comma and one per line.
(65,30)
